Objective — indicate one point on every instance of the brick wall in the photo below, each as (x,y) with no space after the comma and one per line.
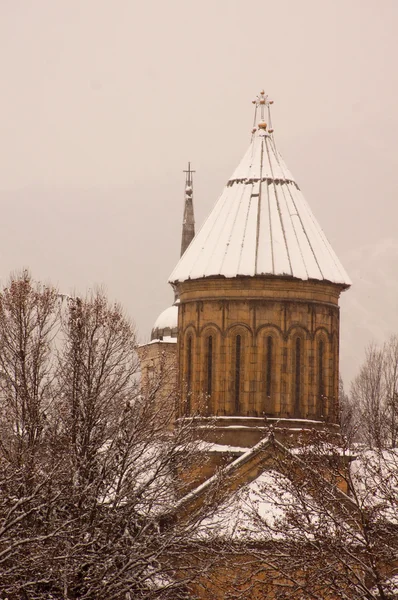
(254,362)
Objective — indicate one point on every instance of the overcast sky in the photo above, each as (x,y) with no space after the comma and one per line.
(103,102)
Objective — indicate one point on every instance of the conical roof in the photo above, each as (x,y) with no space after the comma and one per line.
(261,226)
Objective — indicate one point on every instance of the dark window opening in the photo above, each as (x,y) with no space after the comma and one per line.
(297,375)
(321,380)
(189,374)
(269,367)
(237,372)
(209,365)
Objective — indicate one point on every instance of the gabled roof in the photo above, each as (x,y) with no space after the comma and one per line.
(262,460)
(261,226)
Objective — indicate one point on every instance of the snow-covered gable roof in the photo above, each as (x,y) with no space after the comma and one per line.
(261,225)
(258,509)
(256,475)
(253,511)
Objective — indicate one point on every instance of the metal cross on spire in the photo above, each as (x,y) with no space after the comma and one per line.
(188,224)
(262,103)
(188,176)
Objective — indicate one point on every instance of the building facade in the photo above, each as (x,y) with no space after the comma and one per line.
(258,289)
(255,321)
(254,333)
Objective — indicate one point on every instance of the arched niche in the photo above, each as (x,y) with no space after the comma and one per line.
(334,407)
(298,347)
(210,368)
(238,345)
(322,379)
(269,343)
(188,371)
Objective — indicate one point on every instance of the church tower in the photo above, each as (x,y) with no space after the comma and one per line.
(258,316)
(158,357)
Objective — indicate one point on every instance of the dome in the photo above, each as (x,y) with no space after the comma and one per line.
(166,325)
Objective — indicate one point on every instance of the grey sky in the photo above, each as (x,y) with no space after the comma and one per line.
(104,101)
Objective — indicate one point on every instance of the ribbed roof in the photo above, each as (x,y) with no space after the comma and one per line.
(261,225)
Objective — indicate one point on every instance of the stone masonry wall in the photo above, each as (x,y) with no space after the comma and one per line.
(285,363)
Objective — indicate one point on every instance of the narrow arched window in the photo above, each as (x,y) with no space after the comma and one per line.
(209,365)
(268,374)
(297,375)
(189,373)
(321,378)
(238,358)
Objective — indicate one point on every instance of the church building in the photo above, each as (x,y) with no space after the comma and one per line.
(254,330)
(249,355)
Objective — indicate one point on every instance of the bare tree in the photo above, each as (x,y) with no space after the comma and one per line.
(349,416)
(373,402)
(368,392)
(87,466)
(29,317)
(390,350)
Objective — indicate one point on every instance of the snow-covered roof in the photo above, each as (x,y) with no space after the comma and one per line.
(252,511)
(261,225)
(259,508)
(375,477)
(168,318)
(166,339)
(166,325)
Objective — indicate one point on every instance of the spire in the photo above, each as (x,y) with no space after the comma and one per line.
(261,224)
(188,224)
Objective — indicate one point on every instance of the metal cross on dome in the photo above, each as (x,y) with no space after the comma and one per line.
(263,103)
